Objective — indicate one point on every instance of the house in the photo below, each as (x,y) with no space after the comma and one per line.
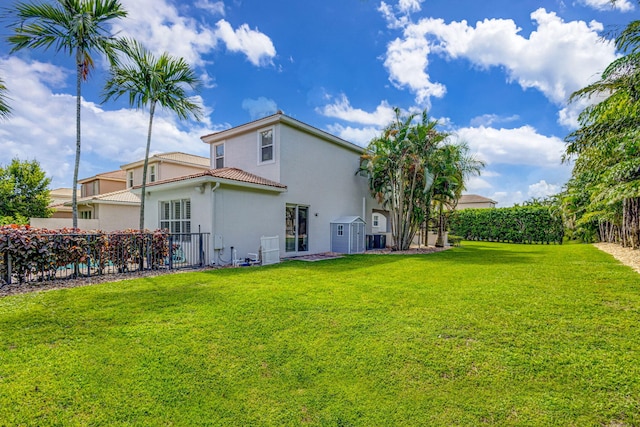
(105,201)
(58,197)
(275,176)
(164,166)
(467,201)
(102,183)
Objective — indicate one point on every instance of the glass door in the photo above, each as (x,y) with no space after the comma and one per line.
(296,228)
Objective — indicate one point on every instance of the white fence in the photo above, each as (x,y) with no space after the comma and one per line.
(270,250)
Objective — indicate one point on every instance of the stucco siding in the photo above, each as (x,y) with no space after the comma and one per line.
(322,175)
(242,152)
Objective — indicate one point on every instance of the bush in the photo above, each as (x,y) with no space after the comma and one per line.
(31,251)
(518,224)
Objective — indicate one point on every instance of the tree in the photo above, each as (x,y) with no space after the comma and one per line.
(603,195)
(400,176)
(452,164)
(149,81)
(5,110)
(24,192)
(76,27)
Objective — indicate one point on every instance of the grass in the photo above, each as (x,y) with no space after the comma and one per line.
(490,334)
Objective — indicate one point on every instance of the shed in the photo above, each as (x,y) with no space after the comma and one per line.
(347,235)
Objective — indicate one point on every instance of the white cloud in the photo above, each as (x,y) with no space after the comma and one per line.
(621,5)
(43,127)
(542,189)
(557,58)
(214,7)
(407,6)
(491,119)
(260,107)
(255,45)
(519,146)
(359,136)
(342,109)
(159,26)
(507,198)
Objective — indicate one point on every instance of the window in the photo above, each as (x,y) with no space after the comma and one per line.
(297,224)
(95,187)
(340,230)
(152,173)
(376,220)
(218,156)
(266,145)
(85,214)
(130,179)
(175,216)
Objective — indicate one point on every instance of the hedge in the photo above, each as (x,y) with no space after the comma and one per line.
(31,251)
(518,224)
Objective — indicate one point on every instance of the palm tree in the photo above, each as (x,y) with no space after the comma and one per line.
(400,175)
(5,110)
(452,165)
(149,81)
(603,194)
(76,27)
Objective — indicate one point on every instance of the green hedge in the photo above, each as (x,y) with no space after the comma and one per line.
(518,224)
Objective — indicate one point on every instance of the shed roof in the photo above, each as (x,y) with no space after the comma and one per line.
(347,220)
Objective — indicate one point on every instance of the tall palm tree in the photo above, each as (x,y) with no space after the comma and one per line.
(76,27)
(148,81)
(5,110)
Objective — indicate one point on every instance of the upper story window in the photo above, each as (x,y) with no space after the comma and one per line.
(130,179)
(218,156)
(376,220)
(265,142)
(152,173)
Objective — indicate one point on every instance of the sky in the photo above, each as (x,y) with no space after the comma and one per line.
(496,74)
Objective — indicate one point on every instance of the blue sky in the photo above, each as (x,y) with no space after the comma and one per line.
(496,74)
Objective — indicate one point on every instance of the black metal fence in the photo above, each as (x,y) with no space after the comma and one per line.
(72,256)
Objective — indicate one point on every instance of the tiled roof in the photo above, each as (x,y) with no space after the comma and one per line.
(121,196)
(119,175)
(474,198)
(231,174)
(184,158)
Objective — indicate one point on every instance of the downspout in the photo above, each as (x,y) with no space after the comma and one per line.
(213,221)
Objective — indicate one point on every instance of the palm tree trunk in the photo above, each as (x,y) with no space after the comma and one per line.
(152,108)
(76,167)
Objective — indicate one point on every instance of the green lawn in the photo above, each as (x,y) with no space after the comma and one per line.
(490,334)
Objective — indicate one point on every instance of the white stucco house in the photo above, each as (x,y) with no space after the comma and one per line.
(275,176)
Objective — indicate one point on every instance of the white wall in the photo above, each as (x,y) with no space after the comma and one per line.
(321,175)
(242,152)
(239,215)
(110,218)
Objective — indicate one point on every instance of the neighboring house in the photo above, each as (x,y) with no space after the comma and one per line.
(467,201)
(118,210)
(164,166)
(58,197)
(275,176)
(102,183)
(105,201)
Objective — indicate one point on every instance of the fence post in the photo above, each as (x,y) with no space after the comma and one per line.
(200,249)
(7,260)
(170,252)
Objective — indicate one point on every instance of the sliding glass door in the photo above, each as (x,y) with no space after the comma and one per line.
(297,225)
